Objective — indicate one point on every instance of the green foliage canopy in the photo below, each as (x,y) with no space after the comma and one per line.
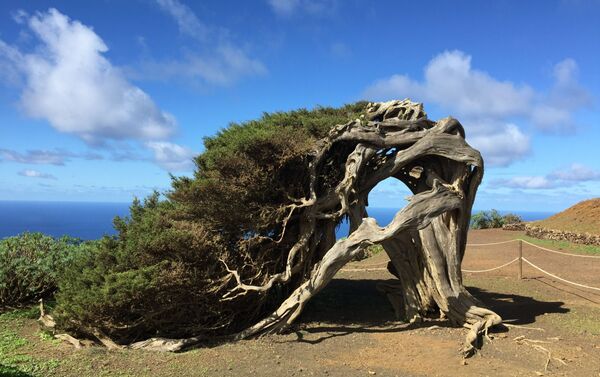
(493,219)
(165,274)
(30,264)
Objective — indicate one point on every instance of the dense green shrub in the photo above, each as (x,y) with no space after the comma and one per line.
(165,272)
(492,219)
(155,278)
(30,264)
(511,218)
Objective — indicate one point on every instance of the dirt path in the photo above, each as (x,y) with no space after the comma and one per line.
(349,330)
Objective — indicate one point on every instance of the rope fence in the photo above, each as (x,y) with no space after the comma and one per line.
(558,277)
(560,252)
(519,259)
(522,259)
(492,269)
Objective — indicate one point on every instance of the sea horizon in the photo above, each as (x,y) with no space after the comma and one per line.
(92,220)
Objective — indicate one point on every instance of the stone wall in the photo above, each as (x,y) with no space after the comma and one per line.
(514,226)
(559,235)
(556,235)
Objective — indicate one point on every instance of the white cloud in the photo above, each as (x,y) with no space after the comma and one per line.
(287,8)
(45,157)
(35,174)
(186,20)
(224,66)
(502,146)
(452,83)
(223,62)
(10,58)
(527,182)
(73,86)
(172,157)
(284,7)
(19,16)
(554,111)
(569,176)
(488,106)
(576,173)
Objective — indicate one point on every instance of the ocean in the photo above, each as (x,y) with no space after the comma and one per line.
(93,220)
(77,219)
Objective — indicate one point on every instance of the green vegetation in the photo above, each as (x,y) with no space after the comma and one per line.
(15,361)
(30,264)
(369,252)
(165,272)
(492,219)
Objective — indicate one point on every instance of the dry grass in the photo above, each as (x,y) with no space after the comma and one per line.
(583,217)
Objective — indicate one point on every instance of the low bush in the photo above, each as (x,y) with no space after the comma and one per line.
(30,264)
(160,276)
(493,219)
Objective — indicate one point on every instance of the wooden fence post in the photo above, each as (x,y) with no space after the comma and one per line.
(520,259)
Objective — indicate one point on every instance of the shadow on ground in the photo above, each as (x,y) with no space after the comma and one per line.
(349,306)
(516,309)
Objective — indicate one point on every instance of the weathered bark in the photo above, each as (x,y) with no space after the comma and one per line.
(425,241)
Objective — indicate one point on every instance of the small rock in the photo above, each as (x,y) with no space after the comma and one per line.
(464,362)
(539,373)
(372,373)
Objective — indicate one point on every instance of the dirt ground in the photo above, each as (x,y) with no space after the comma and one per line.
(349,330)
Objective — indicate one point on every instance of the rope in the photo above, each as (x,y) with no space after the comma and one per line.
(560,252)
(534,245)
(492,269)
(493,243)
(558,277)
(373,267)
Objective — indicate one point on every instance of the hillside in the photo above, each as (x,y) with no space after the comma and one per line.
(583,217)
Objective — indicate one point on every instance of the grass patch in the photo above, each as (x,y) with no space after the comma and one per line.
(32,312)
(14,360)
(579,322)
(564,245)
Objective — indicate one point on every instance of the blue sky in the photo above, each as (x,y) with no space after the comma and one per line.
(99,101)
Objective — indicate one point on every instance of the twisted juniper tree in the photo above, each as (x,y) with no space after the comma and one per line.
(241,247)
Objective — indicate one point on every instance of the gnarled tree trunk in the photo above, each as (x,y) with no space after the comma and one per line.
(425,241)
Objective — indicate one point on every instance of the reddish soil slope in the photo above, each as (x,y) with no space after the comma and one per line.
(583,217)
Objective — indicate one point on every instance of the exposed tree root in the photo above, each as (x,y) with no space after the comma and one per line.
(536,346)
